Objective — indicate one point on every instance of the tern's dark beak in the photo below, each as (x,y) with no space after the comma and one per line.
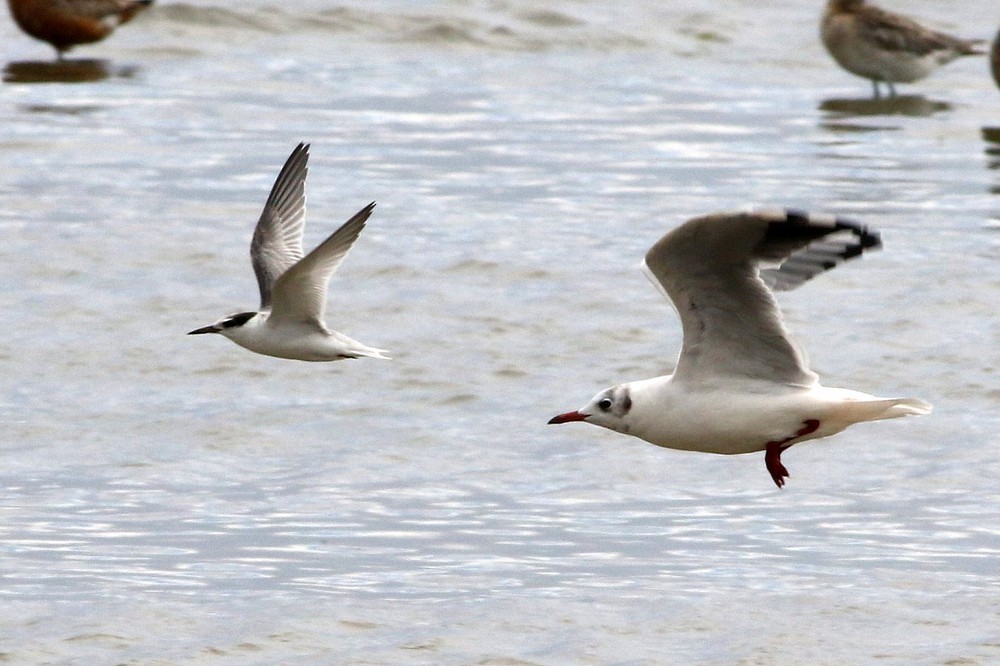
(205,329)
(567,417)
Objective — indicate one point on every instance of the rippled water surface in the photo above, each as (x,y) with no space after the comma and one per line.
(168,499)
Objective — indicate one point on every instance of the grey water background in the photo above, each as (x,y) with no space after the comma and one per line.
(167,499)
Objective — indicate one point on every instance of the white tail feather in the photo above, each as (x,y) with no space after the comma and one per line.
(908,407)
(885,408)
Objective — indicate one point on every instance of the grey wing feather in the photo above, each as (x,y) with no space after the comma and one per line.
(895,32)
(709,268)
(299,295)
(277,239)
(816,258)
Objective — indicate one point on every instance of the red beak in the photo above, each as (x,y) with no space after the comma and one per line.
(567,417)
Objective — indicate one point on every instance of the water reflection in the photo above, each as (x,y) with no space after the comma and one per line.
(65,71)
(61,109)
(902,105)
(991,135)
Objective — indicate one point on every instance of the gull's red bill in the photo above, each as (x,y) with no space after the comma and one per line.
(567,417)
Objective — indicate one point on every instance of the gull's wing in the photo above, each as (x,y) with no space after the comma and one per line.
(709,268)
(299,295)
(277,240)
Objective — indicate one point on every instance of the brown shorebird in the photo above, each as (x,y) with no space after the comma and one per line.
(66,23)
(995,59)
(885,47)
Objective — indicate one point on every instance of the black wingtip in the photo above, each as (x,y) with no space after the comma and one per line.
(800,225)
(365,212)
(868,239)
(809,244)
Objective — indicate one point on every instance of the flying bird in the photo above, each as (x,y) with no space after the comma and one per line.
(885,47)
(289,322)
(741,384)
(66,23)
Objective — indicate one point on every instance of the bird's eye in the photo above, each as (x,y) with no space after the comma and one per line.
(605,404)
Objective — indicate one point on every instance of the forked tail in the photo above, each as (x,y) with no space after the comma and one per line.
(368,352)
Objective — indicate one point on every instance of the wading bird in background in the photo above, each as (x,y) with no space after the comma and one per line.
(66,23)
(995,59)
(885,47)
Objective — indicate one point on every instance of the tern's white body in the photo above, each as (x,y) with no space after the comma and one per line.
(300,341)
(289,323)
(741,383)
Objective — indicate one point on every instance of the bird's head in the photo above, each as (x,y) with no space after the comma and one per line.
(226,325)
(607,409)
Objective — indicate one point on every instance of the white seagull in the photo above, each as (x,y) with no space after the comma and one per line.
(289,322)
(741,384)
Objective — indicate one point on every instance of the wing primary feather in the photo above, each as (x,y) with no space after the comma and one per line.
(300,293)
(813,257)
(277,238)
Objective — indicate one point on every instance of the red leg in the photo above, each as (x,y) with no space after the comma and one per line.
(772,453)
(772,460)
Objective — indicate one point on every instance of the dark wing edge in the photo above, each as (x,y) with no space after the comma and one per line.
(808,245)
(277,239)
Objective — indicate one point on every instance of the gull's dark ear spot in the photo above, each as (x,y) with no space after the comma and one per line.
(238,319)
(626,400)
(617,401)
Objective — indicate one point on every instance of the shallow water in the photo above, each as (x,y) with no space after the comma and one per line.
(167,499)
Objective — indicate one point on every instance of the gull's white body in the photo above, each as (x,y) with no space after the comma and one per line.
(885,47)
(290,321)
(741,383)
(743,417)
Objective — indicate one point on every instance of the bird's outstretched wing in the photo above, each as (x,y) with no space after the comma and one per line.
(710,269)
(277,239)
(299,295)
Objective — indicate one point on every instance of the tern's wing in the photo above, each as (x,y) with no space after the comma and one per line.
(277,240)
(300,293)
(709,268)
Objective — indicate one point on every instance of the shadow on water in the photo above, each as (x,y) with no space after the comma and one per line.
(902,105)
(65,71)
(991,135)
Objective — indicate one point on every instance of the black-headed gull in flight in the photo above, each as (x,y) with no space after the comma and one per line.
(741,383)
(289,322)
